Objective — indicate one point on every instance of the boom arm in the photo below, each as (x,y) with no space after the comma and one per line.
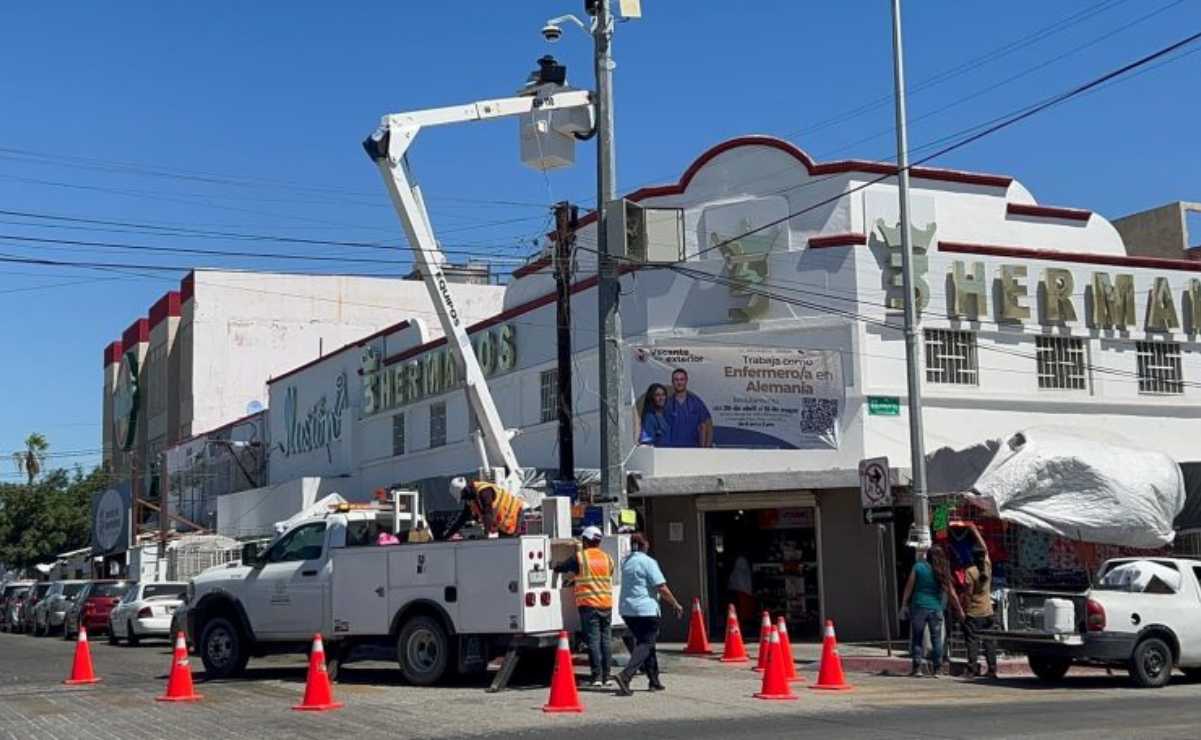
(387,148)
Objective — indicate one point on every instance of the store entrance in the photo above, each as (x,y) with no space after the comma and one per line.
(764,559)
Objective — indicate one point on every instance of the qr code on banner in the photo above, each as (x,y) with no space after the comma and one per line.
(819,416)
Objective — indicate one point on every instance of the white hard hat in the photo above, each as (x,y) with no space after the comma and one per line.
(458,485)
(592,534)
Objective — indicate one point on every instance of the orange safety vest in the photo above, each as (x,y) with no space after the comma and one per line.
(594,584)
(506,508)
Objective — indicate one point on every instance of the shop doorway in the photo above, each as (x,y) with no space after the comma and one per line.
(764,559)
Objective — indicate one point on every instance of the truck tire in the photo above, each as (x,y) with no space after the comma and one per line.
(1048,668)
(222,649)
(423,651)
(1151,664)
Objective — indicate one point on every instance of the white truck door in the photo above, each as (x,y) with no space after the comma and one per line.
(360,591)
(489,577)
(286,591)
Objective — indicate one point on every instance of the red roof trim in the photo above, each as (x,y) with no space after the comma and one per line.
(112,353)
(1051,255)
(187,287)
(1067,214)
(813,168)
(137,333)
(164,307)
(838,240)
(343,348)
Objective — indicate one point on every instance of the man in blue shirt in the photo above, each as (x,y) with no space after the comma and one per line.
(689,422)
(642,583)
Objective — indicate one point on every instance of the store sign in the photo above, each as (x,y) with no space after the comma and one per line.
(316,427)
(883,406)
(1107,302)
(111,520)
(433,372)
(126,400)
(758,397)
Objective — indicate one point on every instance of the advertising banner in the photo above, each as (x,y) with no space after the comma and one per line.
(753,397)
(112,519)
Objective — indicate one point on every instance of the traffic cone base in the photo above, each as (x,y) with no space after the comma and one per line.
(698,639)
(775,684)
(829,675)
(733,651)
(564,697)
(179,681)
(81,666)
(318,694)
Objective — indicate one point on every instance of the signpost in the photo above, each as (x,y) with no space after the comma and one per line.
(875,496)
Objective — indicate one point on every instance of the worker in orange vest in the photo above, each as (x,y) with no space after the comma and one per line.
(497,510)
(593,571)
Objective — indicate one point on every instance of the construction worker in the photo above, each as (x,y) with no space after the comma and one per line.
(593,569)
(487,503)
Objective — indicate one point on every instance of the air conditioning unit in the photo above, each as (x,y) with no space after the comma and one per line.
(645,235)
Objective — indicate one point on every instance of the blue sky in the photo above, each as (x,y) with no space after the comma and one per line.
(248,116)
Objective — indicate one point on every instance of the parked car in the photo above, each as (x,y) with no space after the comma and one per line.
(36,594)
(146,610)
(92,605)
(12,593)
(49,613)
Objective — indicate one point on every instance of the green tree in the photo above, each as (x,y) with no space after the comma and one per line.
(32,459)
(47,517)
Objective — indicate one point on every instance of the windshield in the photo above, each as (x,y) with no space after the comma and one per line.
(41,589)
(70,589)
(1142,576)
(109,589)
(163,591)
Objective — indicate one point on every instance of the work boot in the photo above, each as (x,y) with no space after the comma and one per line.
(656,684)
(916,670)
(623,685)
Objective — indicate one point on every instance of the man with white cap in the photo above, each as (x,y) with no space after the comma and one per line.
(593,569)
(497,510)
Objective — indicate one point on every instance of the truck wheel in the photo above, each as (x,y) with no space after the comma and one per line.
(1049,668)
(423,651)
(222,649)
(1151,664)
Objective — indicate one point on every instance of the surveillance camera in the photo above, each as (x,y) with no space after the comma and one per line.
(551,32)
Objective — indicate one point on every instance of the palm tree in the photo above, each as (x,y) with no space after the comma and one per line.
(31,459)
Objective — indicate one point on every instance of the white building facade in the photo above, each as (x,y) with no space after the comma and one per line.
(786,316)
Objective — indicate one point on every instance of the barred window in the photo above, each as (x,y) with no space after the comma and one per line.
(1061,363)
(438,424)
(398,435)
(550,395)
(951,357)
(1159,369)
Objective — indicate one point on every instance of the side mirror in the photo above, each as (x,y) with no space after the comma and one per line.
(250,554)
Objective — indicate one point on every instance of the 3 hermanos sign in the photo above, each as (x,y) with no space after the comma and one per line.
(111,519)
(389,386)
(125,401)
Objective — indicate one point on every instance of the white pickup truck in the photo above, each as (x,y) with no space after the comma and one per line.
(444,606)
(1143,615)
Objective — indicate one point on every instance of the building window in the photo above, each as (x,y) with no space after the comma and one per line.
(438,424)
(951,357)
(1159,368)
(398,435)
(1061,363)
(550,395)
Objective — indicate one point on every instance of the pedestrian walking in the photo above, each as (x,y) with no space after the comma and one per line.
(642,585)
(927,592)
(978,608)
(593,570)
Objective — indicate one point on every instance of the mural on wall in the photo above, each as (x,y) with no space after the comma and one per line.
(742,397)
(321,424)
(126,401)
(746,257)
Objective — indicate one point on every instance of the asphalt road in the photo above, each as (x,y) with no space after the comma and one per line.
(706,699)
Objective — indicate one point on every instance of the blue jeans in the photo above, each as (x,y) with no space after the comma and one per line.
(919,620)
(596,624)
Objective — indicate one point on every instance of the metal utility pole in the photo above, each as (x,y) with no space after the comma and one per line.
(608,289)
(566,217)
(164,497)
(920,535)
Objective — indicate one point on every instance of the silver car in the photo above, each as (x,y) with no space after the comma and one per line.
(49,613)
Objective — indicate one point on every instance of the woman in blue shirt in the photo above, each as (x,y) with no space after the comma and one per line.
(656,429)
(926,592)
(642,583)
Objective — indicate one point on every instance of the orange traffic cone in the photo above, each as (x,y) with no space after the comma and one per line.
(81,668)
(775,683)
(829,674)
(698,640)
(179,681)
(764,642)
(563,694)
(318,694)
(786,651)
(734,651)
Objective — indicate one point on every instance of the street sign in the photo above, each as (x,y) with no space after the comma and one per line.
(877,516)
(875,484)
(883,406)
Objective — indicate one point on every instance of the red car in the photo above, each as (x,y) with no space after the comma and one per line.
(92,605)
